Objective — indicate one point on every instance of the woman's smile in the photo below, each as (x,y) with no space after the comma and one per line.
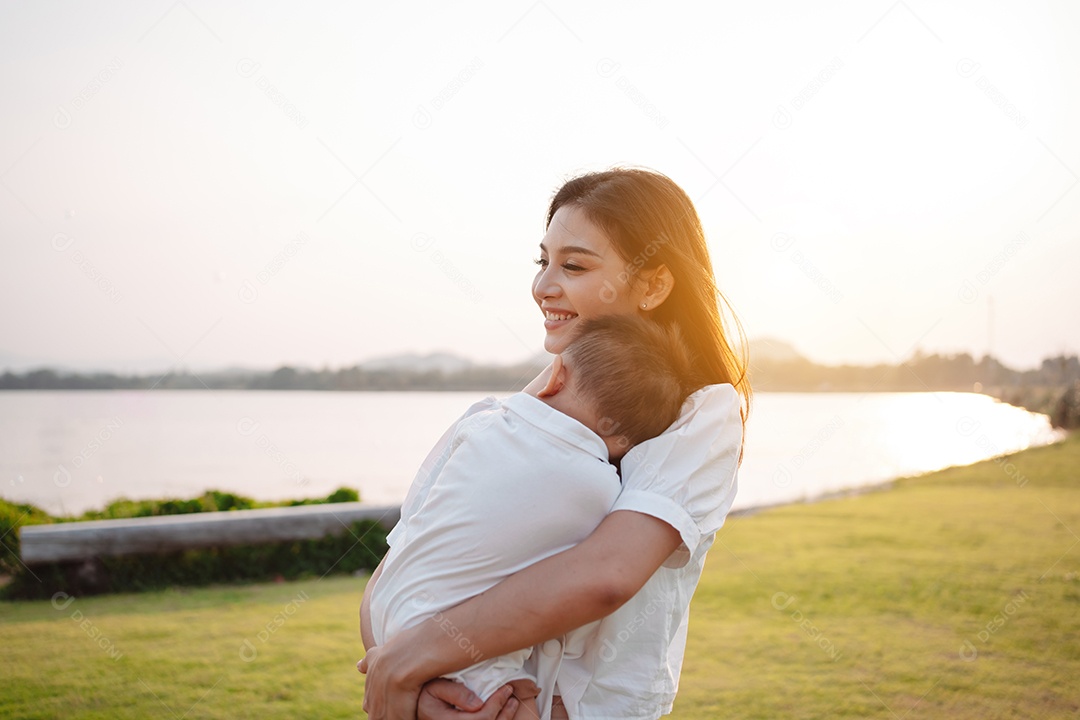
(555,319)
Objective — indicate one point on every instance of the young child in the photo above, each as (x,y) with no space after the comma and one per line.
(517,480)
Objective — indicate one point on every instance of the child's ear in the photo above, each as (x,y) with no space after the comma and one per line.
(555,380)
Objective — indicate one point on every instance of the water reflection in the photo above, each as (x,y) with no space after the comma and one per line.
(802,446)
(71,451)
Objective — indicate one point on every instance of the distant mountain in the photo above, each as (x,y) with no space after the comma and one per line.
(411,362)
(773,350)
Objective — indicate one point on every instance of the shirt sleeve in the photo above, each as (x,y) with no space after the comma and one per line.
(430,468)
(687,475)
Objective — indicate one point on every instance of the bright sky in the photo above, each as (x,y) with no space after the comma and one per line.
(258,183)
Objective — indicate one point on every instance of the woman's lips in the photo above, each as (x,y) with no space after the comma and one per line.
(555,319)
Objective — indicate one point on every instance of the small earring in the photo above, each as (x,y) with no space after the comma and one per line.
(643,306)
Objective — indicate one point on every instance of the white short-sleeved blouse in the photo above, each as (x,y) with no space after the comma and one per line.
(687,478)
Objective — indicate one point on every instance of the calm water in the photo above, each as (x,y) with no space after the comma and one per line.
(71,451)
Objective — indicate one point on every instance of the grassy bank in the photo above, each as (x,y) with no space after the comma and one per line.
(953,595)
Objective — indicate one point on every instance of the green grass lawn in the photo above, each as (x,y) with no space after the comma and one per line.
(954,595)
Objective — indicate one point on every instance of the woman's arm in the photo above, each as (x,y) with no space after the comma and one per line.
(546,600)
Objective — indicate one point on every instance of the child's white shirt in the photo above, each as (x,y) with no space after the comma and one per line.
(510,483)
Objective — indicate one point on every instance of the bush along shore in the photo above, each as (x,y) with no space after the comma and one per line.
(357,547)
(1060,403)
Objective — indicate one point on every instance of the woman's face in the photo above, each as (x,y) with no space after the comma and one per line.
(581,276)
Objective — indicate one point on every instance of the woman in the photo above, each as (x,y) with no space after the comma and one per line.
(617,242)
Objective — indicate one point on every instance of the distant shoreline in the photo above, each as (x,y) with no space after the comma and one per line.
(791,373)
(1053,389)
(1059,401)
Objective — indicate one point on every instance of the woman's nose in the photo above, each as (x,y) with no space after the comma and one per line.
(545,285)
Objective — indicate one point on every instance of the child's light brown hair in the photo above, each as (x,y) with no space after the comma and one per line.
(634,373)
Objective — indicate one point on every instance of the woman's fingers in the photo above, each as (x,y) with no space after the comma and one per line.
(399,706)
(384,700)
(508,710)
(444,700)
(365,664)
(434,706)
(500,706)
(454,694)
(524,689)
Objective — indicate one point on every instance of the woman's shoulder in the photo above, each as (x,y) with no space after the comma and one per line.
(712,403)
(704,443)
(726,390)
(686,476)
(709,429)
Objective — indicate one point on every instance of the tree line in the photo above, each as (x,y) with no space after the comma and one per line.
(959,372)
(508,378)
(921,372)
(1052,388)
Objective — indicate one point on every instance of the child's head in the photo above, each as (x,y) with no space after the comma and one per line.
(623,377)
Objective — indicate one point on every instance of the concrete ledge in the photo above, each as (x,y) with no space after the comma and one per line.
(99,538)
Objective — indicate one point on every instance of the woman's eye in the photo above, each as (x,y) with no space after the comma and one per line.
(542,262)
(572,267)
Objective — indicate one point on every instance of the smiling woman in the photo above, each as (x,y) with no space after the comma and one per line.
(625,242)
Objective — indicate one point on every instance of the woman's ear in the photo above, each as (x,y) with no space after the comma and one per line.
(658,285)
(555,380)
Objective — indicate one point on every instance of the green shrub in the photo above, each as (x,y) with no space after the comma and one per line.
(12,517)
(210,501)
(342,495)
(359,548)
(222,501)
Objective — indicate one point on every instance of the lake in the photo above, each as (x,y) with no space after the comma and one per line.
(69,451)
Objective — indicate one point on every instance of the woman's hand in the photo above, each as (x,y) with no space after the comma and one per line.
(387,696)
(443,699)
(439,699)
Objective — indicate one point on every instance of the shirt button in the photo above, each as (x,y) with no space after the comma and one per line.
(551,648)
